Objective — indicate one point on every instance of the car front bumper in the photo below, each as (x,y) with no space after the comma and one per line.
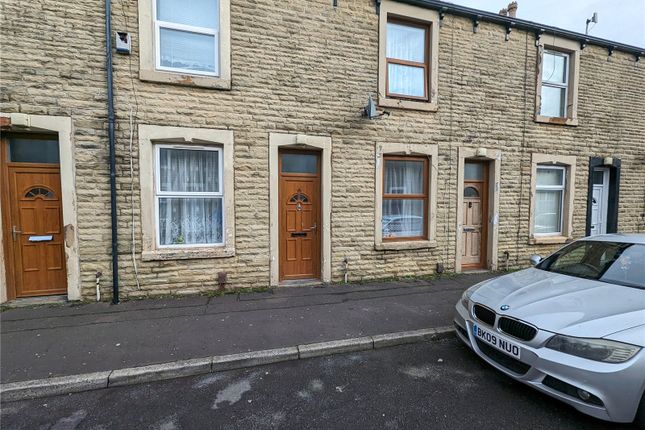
(616,388)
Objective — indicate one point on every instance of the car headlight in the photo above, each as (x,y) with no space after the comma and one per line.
(604,350)
(465,297)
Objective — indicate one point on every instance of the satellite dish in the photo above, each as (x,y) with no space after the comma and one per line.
(370,110)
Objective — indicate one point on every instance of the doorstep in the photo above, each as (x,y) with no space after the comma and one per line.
(302,283)
(24,302)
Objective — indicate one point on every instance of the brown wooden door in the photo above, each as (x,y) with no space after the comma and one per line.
(299,200)
(475,220)
(34,229)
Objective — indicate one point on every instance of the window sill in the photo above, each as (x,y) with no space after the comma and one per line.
(557,121)
(187,254)
(184,79)
(549,240)
(405,245)
(407,104)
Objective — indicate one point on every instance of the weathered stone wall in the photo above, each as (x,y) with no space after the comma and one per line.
(302,66)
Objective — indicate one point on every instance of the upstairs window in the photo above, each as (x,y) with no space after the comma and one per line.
(407,59)
(557,78)
(555,84)
(187,36)
(185,42)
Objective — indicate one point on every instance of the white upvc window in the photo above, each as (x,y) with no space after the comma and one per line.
(189,198)
(550,188)
(187,36)
(555,84)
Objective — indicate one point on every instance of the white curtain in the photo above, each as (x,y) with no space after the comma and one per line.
(409,44)
(406,80)
(187,219)
(403,217)
(186,170)
(403,177)
(548,211)
(405,42)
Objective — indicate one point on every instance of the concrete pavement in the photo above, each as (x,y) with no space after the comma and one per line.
(47,342)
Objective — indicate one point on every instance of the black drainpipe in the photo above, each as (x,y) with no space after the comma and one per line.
(110,106)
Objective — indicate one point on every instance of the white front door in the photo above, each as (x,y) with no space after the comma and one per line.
(599,200)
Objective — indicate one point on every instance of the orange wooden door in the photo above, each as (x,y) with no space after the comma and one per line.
(35,229)
(473,253)
(299,199)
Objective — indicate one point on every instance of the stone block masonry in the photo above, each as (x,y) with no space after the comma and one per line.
(303,66)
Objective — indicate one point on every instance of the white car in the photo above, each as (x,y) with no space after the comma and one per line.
(572,327)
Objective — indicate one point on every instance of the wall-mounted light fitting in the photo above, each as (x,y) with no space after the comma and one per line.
(476,23)
(538,36)
(509,28)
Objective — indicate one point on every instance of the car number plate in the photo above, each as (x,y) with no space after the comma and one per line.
(494,340)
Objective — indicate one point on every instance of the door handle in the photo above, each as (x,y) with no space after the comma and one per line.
(15,232)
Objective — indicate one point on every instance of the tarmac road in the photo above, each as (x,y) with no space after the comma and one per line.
(430,385)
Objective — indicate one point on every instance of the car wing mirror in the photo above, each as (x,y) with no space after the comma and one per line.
(535,260)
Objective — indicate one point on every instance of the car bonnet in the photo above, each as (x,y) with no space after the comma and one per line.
(564,304)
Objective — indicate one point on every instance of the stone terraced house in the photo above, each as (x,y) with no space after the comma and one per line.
(227,144)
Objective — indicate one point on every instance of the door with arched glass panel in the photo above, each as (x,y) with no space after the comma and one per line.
(299,197)
(474,216)
(33,223)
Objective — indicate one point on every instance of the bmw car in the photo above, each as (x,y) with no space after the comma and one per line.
(572,326)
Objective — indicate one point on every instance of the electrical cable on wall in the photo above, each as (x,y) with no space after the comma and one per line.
(132,117)
(447,212)
(134,259)
(522,149)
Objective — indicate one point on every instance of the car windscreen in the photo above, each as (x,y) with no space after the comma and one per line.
(613,262)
